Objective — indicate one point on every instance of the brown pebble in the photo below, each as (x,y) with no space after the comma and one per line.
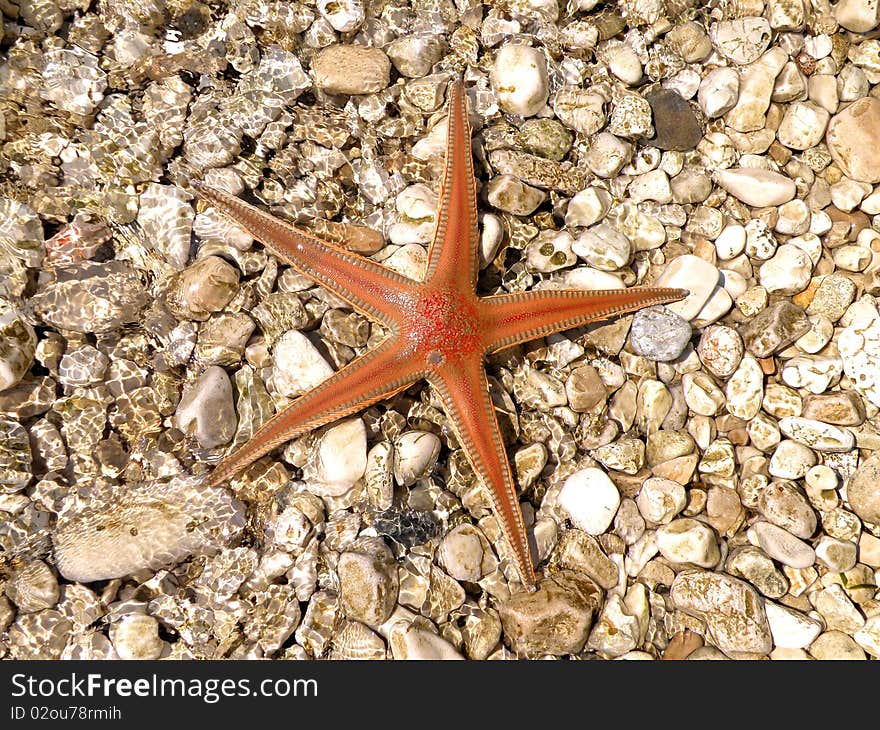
(682,645)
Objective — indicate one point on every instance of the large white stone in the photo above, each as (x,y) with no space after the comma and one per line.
(590,499)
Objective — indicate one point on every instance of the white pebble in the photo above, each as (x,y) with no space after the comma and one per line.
(590,499)
(519,78)
(688,541)
(756,187)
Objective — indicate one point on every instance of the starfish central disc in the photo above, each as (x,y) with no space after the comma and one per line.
(445,325)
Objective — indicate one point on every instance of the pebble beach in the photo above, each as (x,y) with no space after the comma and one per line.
(700,480)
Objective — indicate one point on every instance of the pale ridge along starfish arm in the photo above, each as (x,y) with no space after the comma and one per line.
(513,318)
(464,390)
(340,271)
(378,374)
(452,259)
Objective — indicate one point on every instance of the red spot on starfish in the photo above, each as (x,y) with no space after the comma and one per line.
(440,330)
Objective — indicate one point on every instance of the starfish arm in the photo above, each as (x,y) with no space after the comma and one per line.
(453,260)
(464,391)
(366,285)
(379,373)
(514,318)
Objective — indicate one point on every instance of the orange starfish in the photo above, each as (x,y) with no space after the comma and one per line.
(440,330)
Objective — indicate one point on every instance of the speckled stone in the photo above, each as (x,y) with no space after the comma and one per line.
(555,619)
(776,327)
(659,334)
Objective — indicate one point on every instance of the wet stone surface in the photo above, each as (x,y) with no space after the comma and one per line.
(698,479)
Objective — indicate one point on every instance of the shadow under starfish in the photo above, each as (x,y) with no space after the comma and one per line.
(440,330)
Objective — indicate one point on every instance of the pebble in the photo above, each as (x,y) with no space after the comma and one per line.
(415,55)
(745,389)
(774,328)
(582,553)
(581,110)
(701,394)
(603,247)
(719,91)
(136,636)
(817,435)
(791,629)
(863,491)
(206,411)
(688,541)
(415,454)
(587,207)
(18,344)
(659,334)
(803,125)
(519,78)
(791,460)
(754,565)
(351,69)
(513,196)
(859,346)
(837,555)
(202,288)
(731,242)
(367,586)
(33,587)
(868,637)
(742,40)
(786,272)
(756,187)
(340,458)
(461,553)
(590,499)
(837,609)
(732,610)
(675,125)
(781,545)
(631,117)
(299,366)
(690,41)
(694,274)
(785,506)
(835,645)
(720,350)
(660,500)
(755,90)
(616,631)
(859,16)
(624,63)
(409,642)
(555,619)
(585,389)
(833,297)
(607,154)
(840,409)
(850,139)
(150,525)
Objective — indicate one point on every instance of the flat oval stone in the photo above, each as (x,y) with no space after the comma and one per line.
(817,435)
(781,545)
(146,527)
(757,187)
(351,69)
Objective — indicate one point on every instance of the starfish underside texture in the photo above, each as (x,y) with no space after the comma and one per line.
(439,329)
